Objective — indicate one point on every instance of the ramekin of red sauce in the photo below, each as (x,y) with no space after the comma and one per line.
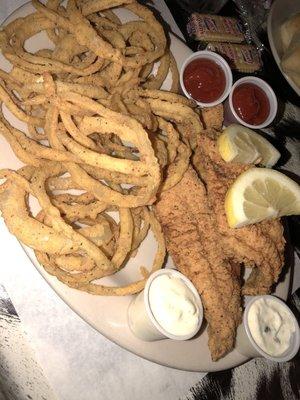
(206,78)
(251,103)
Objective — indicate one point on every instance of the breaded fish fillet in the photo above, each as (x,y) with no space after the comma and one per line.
(193,241)
(260,246)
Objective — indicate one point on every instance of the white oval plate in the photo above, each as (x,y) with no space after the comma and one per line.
(281,10)
(108,315)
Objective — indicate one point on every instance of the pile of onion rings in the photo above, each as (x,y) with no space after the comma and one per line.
(101,140)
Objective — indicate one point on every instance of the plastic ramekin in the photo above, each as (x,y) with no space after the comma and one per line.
(230,115)
(142,321)
(245,344)
(218,60)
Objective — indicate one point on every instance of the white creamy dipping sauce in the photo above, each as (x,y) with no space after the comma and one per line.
(271,326)
(173,305)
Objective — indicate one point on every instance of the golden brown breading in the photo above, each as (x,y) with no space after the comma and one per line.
(260,245)
(206,250)
(192,240)
(212,117)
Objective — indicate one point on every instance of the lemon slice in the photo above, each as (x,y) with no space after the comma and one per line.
(261,193)
(240,144)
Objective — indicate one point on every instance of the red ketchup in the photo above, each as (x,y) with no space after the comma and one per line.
(251,103)
(204,80)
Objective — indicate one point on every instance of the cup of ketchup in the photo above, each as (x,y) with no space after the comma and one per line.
(251,103)
(206,78)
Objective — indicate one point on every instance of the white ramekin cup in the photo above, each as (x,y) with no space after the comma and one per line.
(230,116)
(246,345)
(141,320)
(221,62)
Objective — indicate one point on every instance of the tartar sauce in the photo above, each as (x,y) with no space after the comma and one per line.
(271,326)
(173,305)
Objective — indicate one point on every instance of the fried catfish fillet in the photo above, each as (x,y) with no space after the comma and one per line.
(192,239)
(259,246)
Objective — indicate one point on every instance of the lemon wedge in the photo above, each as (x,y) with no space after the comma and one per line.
(261,193)
(240,144)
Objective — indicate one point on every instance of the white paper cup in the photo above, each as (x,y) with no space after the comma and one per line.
(141,319)
(246,345)
(230,115)
(221,62)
